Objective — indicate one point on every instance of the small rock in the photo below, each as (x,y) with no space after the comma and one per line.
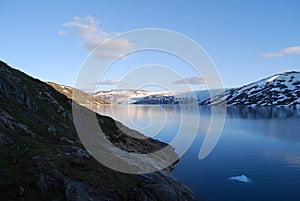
(42,184)
(81,153)
(67,115)
(64,139)
(52,130)
(21,191)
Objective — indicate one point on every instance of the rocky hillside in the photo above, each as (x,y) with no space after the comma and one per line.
(82,97)
(42,158)
(279,90)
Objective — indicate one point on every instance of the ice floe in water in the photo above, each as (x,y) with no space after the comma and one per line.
(242,179)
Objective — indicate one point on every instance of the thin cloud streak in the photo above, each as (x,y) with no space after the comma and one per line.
(194,80)
(92,35)
(111,82)
(285,51)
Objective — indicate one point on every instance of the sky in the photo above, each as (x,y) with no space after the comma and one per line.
(246,40)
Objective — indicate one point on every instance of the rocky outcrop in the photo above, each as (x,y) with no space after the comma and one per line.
(80,191)
(47,183)
(157,187)
(162,186)
(18,94)
(8,121)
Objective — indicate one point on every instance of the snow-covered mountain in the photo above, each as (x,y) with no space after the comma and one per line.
(152,97)
(179,97)
(126,96)
(279,90)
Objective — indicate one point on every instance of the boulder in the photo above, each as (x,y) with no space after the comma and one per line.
(52,130)
(81,153)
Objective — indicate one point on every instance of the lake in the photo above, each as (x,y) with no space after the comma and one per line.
(261,143)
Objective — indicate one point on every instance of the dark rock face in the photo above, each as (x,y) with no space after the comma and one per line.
(156,186)
(80,191)
(8,121)
(18,94)
(42,158)
(168,188)
(48,183)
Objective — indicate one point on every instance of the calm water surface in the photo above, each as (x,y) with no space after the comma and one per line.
(261,143)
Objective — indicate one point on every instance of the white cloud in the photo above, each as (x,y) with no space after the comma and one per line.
(88,29)
(285,51)
(291,50)
(195,80)
(111,82)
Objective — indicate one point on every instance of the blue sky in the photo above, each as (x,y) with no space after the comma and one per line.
(247,40)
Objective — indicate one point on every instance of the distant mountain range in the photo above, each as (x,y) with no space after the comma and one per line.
(177,98)
(126,96)
(152,97)
(278,90)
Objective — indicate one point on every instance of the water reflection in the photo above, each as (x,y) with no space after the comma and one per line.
(291,159)
(272,122)
(152,120)
(263,112)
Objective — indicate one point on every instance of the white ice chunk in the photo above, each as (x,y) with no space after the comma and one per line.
(242,178)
